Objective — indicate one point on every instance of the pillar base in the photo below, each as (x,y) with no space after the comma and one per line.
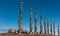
(19,31)
(22,31)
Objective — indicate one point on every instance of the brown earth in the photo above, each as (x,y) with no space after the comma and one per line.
(8,34)
(14,34)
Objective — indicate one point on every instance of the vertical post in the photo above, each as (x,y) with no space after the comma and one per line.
(35,22)
(54,27)
(30,19)
(51,27)
(44,25)
(47,27)
(41,25)
(20,16)
(58,30)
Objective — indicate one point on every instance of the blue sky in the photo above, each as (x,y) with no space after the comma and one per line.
(9,12)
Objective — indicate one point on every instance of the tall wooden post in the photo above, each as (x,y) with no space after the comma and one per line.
(44,25)
(54,27)
(30,19)
(41,25)
(20,16)
(35,23)
(47,26)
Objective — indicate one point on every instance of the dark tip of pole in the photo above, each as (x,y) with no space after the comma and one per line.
(30,8)
(53,22)
(35,10)
(47,20)
(40,15)
(44,17)
(21,2)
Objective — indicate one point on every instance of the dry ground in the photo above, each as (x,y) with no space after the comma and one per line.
(14,34)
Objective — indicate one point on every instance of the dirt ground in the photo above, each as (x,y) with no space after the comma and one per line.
(8,34)
(14,34)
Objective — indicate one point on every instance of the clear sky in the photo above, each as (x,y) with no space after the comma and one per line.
(9,12)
